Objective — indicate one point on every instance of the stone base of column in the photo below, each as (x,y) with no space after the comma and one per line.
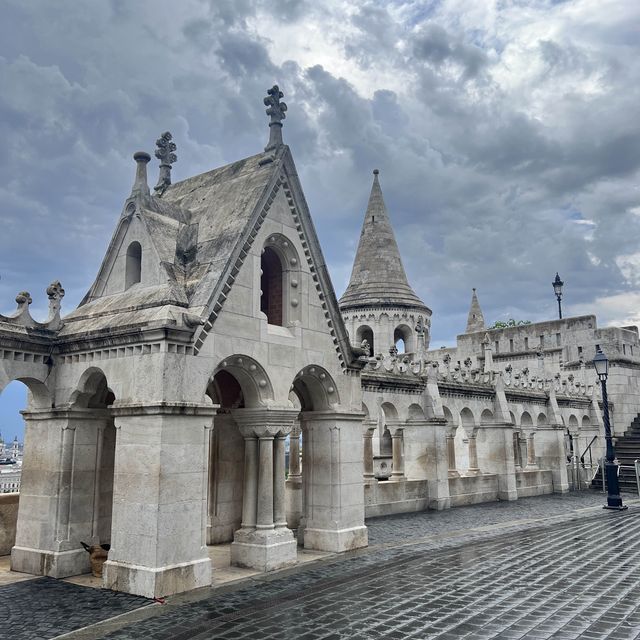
(474,472)
(336,540)
(156,583)
(397,478)
(531,467)
(264,550)
(293,501)
(453,473)
(56,564)
(439,504)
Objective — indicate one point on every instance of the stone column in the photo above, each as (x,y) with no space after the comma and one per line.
(159,492)
(250,484)
(397,472)
(531,452)
(270,545)
(451,455)
(293,484)
(499,447)
(279,517)
(369,429)
(473,470)
(522,439)
(516,451)
(264,519)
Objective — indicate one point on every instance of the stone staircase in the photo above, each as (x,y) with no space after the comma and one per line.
(627,452)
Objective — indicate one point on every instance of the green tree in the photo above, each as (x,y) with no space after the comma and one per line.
(498,324)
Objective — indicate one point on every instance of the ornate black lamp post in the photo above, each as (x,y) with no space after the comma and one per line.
(557,289)
(614,501)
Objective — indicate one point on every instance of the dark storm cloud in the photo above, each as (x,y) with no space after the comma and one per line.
(509,148)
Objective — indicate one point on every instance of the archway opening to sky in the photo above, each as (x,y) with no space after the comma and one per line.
(13,399)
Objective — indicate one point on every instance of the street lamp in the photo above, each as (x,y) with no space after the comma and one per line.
(614,501)
(557,289)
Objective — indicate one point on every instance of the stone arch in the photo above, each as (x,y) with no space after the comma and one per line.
(573,422)
(316,389)
(403,338)
(240,381)
(467,419)
(39,394)
(542,419)
(92,390)
(513,419)
(526,420)
(486,417)
(280,281)
(389,411)
(365,332)
(448,416)
(415,412)
(586,422)
(133,264)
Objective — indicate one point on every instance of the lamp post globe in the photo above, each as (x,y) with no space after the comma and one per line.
(614,501)
(557,289)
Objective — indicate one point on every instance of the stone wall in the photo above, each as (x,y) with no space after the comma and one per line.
(473,489)
(385,498)
(534,483)
(8,520)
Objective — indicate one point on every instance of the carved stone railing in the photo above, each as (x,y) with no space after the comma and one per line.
(22,316)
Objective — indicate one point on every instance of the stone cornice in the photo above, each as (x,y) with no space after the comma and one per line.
(164,408)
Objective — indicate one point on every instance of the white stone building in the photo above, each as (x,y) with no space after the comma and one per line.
(159,408)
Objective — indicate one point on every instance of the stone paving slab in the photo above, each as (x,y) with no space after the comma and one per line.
(44,608)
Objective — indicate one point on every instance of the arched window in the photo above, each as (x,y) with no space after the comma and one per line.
(271,279)
(365,333)
(402,339)
(133,267)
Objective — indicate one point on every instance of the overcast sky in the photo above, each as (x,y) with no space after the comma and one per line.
(506,134)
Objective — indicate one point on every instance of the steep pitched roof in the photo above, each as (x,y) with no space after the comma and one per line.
(378,277)
(475,321)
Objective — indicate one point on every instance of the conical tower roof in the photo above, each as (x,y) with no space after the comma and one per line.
(378,278)
(475,321)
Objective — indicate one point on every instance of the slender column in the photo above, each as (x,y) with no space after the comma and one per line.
(522,438)
(369,430)
(516,451)
(264,518)
(451,455)
(96,484)
(279,516)
(250,488)
(473,456)
(396,452)
(531,452)
(294,453)
(64,491)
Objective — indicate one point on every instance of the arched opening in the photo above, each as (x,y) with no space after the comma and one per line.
(271,287)
(468,423)
(133,267)
(402,336)
(13,399)
(226,460)
(365,333)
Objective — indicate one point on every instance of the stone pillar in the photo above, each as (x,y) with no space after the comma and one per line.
(334,500)
(250,484)
(500,459)
(264,519)
(531,452)
(516,451)
(369,429)
(451,455)
(279,462)
(522,439)
(397,472)
(293,484)
(269,545)
(60,491)
(158,542)
(550,452)
(473,470)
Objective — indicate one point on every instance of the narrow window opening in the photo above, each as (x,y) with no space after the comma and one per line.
(133,266)
(511,345)
(558,339)
(271,302)
(497,346)
(624,349)
(526,344)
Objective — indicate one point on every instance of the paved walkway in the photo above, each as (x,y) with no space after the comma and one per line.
(548,567)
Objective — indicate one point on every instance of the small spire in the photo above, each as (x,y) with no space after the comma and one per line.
(165,153)
(276,110)
(475,321)
(140,186)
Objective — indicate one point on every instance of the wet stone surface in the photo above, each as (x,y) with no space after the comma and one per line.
(45,608)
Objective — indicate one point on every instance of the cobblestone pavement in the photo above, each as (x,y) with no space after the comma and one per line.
(536,568)
(44,608)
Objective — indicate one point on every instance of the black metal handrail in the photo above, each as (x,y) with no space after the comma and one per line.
(589,450)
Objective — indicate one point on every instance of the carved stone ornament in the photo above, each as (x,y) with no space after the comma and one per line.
(165,153)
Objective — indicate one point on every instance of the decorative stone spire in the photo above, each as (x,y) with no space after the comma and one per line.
(140,186)
(378,277)
(165,153)
(475,321)
(276,110)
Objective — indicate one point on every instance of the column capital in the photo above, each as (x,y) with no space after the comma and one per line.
(265,422)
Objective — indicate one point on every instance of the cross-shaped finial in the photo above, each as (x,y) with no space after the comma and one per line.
(276,110)
(165,153)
